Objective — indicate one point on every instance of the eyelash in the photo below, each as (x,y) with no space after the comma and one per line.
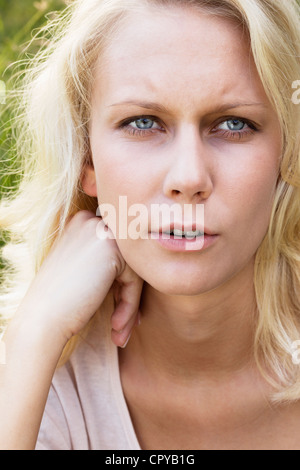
(227,134)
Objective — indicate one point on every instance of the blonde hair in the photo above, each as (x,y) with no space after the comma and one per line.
(53,142)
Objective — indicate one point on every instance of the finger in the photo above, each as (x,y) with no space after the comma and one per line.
(126,315)
(121,338)
(128,306)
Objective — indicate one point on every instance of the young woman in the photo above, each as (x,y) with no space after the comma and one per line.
(181,334)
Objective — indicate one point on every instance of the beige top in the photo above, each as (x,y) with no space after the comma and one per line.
(86,408)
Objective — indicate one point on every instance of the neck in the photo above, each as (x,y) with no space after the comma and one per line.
(204,336)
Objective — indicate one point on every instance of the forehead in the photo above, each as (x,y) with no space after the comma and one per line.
(177,50)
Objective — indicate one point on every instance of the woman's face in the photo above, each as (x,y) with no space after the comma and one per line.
(179,116)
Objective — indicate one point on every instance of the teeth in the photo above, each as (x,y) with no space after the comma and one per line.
(178,233)
(193,234)
(188,233)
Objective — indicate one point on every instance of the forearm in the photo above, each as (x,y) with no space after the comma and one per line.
(31,357)
(69,288)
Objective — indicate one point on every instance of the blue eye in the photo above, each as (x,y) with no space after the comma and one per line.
(233,125)
(143,123)
(142,126)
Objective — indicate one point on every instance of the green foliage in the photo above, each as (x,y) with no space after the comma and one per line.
(18,21)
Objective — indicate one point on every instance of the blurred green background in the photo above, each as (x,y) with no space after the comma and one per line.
(18,20)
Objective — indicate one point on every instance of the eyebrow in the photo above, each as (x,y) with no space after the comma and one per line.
(142,104)
(161,109)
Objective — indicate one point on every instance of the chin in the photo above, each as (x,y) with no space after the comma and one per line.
(185,287)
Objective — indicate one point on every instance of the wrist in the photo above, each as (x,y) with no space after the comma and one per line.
(33,332)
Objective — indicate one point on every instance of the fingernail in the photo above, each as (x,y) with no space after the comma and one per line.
(127,341)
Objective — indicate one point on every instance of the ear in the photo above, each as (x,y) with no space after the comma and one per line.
(88,181)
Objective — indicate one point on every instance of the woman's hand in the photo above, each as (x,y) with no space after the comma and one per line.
(82,267)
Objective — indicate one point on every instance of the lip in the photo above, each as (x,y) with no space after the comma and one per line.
(184,245)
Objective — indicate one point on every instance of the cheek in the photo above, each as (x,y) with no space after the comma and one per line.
(122,185)
(112,180)
(116,173)
(249,196)
(125,174)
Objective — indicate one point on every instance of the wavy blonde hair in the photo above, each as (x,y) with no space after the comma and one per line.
(53,142)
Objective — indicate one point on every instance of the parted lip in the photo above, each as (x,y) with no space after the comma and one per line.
(184,227)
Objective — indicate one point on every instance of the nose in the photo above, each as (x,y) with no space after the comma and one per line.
(189,176)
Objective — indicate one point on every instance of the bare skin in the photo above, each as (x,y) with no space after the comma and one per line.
(188,372)
(210,399)
(70,287)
